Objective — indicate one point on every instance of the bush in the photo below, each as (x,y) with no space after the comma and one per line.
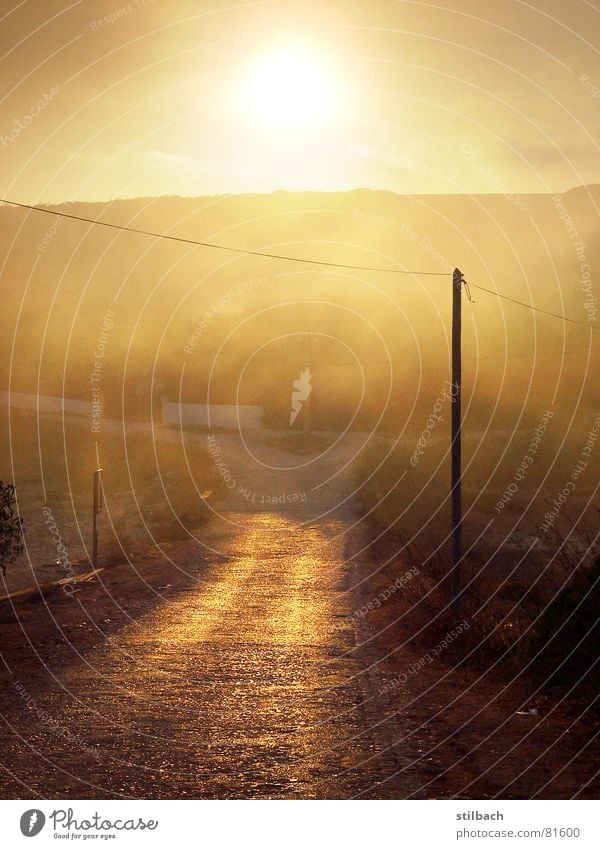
(11,527)
(569,629)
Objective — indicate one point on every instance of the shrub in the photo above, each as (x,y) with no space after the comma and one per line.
(11,526)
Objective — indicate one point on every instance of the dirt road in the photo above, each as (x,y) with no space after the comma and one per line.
(233,666)
(243,685)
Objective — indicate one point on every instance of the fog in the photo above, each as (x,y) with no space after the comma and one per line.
(214,324)
(123,320)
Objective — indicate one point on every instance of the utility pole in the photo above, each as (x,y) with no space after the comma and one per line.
(455,474)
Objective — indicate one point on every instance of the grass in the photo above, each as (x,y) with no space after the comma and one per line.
(516,597)
(153,487)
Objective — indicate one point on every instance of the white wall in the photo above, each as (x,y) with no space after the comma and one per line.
(212,415)
(203,415)
(45,403)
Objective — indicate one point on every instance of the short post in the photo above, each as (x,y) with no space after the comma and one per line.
(97,500)
(455,482)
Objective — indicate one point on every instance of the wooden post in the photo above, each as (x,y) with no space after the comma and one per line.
(96,508)
(457,280)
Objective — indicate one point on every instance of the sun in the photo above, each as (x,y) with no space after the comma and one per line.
(289,89)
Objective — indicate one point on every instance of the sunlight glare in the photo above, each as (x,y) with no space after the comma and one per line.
(289,89)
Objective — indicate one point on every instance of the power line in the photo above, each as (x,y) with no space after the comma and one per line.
(530,306)
(284,257)
(221,247)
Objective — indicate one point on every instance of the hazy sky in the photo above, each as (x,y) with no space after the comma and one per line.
(108,99)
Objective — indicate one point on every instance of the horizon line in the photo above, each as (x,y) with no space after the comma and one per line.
(51,203)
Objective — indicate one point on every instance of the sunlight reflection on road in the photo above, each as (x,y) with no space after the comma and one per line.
(238,687)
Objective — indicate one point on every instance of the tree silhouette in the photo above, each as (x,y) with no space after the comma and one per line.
(11,526)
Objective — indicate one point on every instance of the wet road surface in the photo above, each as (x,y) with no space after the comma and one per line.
(233,666)
(245,685)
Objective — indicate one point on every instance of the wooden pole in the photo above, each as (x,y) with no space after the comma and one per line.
(457,280)
(96,508)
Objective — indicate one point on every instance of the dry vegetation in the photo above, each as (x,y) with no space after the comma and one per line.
(153,489)
(532,606)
